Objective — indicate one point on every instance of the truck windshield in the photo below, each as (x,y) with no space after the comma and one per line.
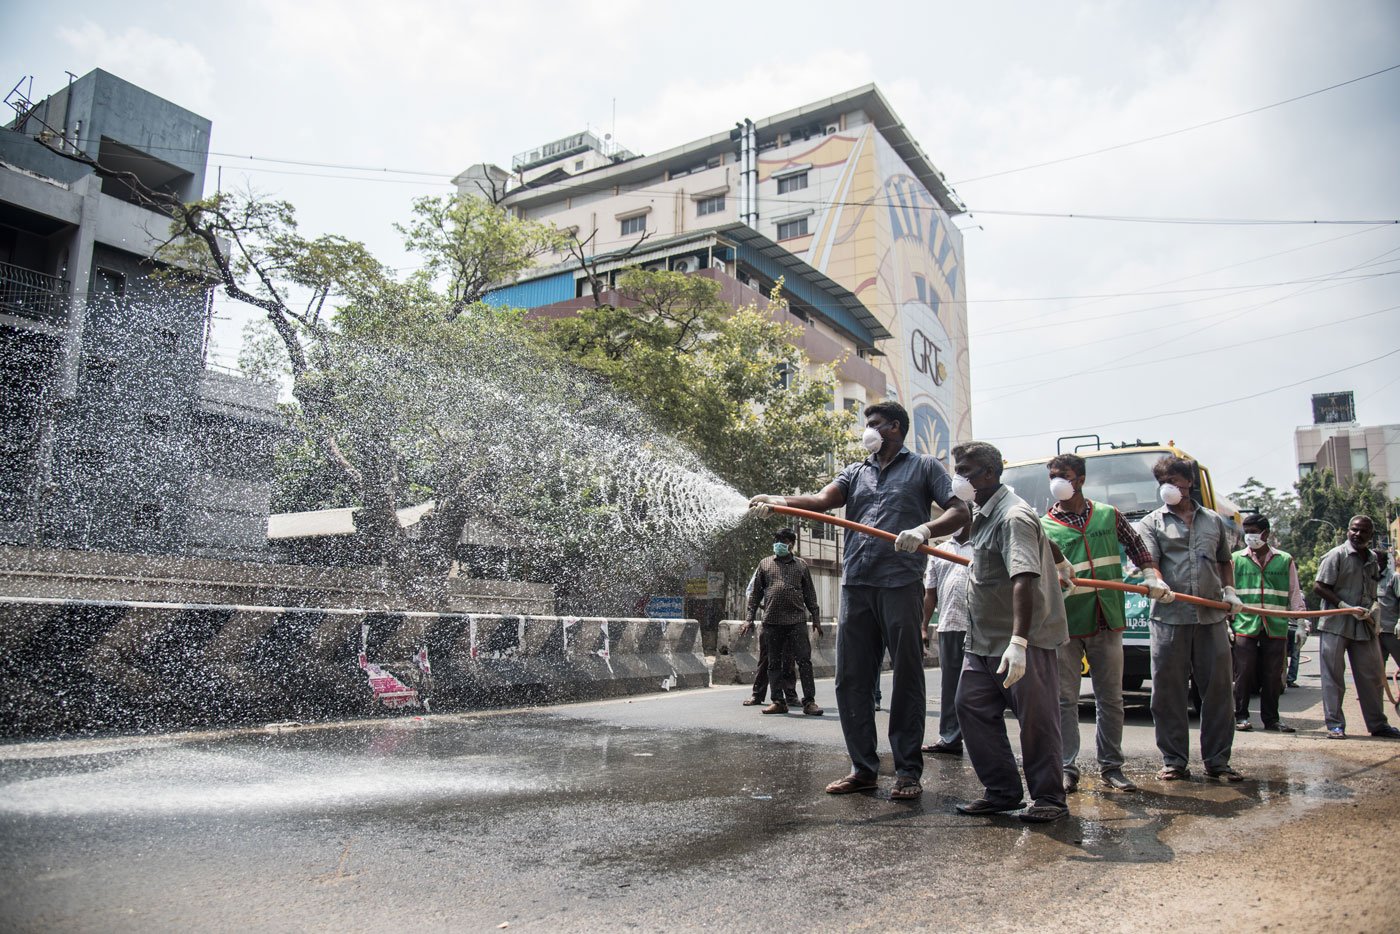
(1124,481)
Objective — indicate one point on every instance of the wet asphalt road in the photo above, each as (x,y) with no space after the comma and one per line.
(679,811)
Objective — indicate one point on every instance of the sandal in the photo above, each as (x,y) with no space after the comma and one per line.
(1173,773)
(906,789)
(851,784)
(1225,774)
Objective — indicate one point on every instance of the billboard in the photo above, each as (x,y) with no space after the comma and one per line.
(1332,408)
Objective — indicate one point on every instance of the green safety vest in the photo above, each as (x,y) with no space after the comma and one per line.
(1267,587)
(1094,553)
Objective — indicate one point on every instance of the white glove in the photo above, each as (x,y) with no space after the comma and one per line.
(1157,588)
(1066,572)
(1397,630)
(1304,629)
(1013,661)
(1356,611)
(760,503)
(1232,598)
(911,539)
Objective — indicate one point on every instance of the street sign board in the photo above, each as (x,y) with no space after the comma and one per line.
(666,608)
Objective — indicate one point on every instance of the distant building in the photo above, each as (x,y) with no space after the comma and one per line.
(113,432)
(1337,443)
(839,184)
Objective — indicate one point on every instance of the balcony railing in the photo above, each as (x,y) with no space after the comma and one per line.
(31,294)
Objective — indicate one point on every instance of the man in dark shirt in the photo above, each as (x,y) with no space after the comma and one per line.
(782,585)
(882,592)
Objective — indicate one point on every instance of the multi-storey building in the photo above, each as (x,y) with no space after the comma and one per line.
(113,432)
(839,184)
(1336,442)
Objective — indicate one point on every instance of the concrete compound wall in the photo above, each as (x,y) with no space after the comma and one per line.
(93,666)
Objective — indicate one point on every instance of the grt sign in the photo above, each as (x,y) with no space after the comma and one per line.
(926,357)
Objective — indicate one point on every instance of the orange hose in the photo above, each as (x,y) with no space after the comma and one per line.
(1077,581)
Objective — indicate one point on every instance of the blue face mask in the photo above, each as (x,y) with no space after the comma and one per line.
(780,549)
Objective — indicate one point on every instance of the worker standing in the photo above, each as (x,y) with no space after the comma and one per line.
(882,592)
(1266,578)
(1016,622)
(1089,535)
(1347,578)
(1191,546)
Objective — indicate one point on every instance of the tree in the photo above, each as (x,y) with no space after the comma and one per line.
(730,384)
(1279,507)
(1313,519)
(370,360)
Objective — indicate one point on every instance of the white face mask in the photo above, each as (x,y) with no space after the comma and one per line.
(870,440)
(1170,493)
(1254,540)
(1061,489)
(963,488)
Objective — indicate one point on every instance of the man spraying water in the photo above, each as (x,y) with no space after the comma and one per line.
(893,489)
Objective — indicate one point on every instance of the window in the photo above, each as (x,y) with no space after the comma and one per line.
(1359,460)
(634,225)
(789,229)
(108,282)
(578,165)
(709,205)
(792,183)
(782,376)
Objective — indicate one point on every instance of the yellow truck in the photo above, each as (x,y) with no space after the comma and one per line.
(1121,476)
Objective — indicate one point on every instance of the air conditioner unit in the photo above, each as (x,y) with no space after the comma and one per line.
(685,264)
(719,265)
(832,128)
(655,267)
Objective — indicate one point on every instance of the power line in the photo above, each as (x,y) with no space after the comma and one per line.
(1206,221)
(1186,129)
(1211,405)
(1138,364)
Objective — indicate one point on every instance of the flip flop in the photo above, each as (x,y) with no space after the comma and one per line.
(906,789)
(851,784)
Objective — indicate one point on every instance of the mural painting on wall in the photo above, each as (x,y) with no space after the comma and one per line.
(879,232)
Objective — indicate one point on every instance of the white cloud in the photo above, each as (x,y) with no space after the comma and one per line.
(175,70)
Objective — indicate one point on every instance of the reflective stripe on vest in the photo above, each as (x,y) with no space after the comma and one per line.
(1094,553)
(1266,587)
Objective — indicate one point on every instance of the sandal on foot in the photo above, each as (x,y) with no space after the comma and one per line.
(851,784)
(1173,773)
(1225,774)
(906,789)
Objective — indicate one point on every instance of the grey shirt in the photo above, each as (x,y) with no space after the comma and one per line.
(1355,579)
(1389,595)
(1189,559)
(894,498)
(1007,540)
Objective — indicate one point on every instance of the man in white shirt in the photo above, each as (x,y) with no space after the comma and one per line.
(945,591)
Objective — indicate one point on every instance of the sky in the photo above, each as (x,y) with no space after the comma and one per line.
(1207,333)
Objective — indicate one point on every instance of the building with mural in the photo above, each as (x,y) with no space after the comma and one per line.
(838,183)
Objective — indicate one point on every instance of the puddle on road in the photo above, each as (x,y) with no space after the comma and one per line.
(611,796)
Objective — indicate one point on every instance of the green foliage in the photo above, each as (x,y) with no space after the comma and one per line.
(470,245)
(730,384)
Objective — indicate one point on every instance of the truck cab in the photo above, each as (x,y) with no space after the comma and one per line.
(1121,476)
